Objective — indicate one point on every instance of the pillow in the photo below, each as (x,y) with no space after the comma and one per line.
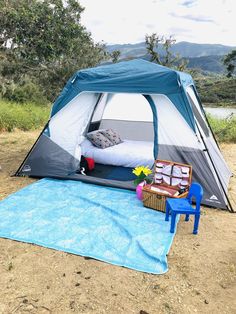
(99,140)
(112,135)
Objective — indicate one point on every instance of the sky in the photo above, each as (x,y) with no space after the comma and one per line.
(128,21)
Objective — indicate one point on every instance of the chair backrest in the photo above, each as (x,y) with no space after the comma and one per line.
(196,191)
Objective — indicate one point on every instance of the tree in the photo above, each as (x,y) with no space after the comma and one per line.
(230,63)
(115,55)
(46,41)
(156,44)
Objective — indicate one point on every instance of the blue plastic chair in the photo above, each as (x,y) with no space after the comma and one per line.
(176,206)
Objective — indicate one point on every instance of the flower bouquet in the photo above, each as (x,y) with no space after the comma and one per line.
(142,174)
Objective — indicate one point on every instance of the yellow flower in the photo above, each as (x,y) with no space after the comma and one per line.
(138,170)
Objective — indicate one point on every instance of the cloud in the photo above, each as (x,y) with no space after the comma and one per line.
(179,30)
(129,21)
(196,18)
(189,3)
(96,22)
(150,26)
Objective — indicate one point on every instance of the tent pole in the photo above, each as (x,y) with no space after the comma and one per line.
(19,169)
(91,118)
(229,206)
(204,113)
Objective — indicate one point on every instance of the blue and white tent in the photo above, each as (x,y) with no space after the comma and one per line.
(156,111)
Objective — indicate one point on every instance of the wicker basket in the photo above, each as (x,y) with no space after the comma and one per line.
(157,200)
(154,201)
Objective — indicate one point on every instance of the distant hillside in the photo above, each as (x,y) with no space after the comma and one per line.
(207,64)
(185,49)
(218,91)
(207,57)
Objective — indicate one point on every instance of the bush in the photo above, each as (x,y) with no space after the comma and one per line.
(224,130)
(25,91)
(22,116)
(216,90)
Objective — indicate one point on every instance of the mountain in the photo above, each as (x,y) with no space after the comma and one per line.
(207,57)
(185,49)
(207,63)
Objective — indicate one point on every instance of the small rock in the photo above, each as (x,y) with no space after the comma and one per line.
(206,302)
(87,277)
(223,286)
(64,275)
(25,301)
(77,284)
(29,308)
(155,287)
(143,312)
(10,266)
(78,272)
(72,305)
(48,287)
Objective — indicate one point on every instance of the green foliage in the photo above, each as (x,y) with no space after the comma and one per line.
(22,116)
(115,55)
(230,62)
(44,40)
(168,59)
(224,129)
(216,90)
(24,91)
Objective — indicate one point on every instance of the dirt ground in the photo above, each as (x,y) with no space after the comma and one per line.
(201,276)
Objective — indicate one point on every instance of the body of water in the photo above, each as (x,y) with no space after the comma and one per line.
(220,112)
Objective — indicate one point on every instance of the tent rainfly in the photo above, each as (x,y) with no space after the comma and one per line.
(156,111)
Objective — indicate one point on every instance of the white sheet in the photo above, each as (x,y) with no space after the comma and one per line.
(126,154)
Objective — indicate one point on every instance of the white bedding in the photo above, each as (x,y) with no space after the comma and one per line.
(126,154)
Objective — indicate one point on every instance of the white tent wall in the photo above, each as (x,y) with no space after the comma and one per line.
(129,112)
(128,107)
(217,158)
(130,115)
(68,125)
(172,127)
(125,113)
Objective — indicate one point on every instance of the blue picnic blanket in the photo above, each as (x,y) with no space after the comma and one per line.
(104,223)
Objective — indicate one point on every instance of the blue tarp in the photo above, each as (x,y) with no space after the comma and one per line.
(104,223)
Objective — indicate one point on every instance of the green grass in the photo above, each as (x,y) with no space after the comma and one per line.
(22,116)
(224,130)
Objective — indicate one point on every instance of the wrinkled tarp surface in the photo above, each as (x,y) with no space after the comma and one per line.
(104,223)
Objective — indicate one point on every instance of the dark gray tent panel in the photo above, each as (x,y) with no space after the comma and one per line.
(155,110)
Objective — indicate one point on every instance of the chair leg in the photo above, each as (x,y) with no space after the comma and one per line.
(167,212)
(187,218)
(172,224)
(196,223)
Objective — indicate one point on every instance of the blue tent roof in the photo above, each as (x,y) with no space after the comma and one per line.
(135,76)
